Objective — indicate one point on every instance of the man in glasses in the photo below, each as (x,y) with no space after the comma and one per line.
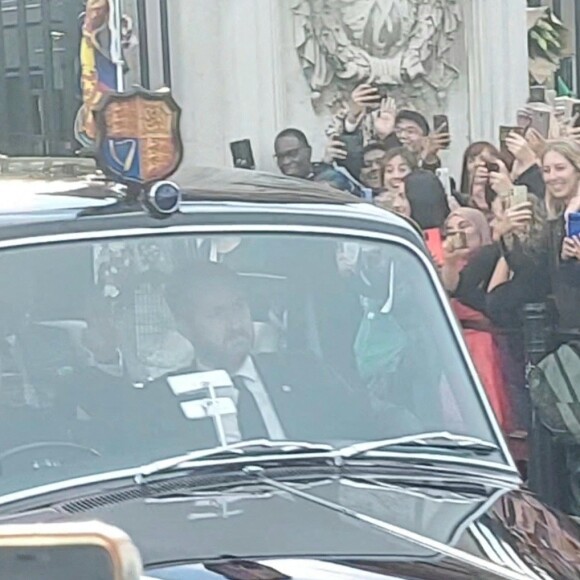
(293,155)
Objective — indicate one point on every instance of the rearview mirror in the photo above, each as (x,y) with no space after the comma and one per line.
(91,550)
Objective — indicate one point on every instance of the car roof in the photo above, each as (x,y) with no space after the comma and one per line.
(40,191)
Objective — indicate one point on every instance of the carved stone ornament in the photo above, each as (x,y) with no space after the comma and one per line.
(401,43)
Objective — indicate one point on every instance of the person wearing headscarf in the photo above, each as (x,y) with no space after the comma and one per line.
(429,208)
(468,252)
(467,235)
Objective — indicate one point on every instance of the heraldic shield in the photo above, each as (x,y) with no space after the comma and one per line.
(138,136)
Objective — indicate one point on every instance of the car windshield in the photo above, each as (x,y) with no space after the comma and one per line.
(115,354)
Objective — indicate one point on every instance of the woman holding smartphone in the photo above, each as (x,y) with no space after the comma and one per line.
(469,259)
(561,168)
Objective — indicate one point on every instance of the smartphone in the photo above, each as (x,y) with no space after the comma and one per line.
(459,241)
(492,167)
(524,119)
(565,105)
(576,113)
(441,125)
(242,154)
(504,131)
(354,143)
(541,122)
(537,94)
(443,175)
(87,550)
(383,91)
(519,194)
(434,243)
(573,224)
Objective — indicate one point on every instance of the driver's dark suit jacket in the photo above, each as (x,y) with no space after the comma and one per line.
(312,402)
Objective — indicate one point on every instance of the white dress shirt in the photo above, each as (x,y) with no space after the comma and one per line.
(253,382)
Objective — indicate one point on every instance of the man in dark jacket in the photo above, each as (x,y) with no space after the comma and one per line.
(293,154)
(281,396)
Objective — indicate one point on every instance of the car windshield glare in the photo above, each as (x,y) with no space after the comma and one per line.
(119,353)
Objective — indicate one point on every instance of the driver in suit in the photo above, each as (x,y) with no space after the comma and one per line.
(279,396)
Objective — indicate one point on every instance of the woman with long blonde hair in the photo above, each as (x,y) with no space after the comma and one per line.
(561,168)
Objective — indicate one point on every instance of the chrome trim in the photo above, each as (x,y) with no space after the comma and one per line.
(67,484)
(152,197)
(325,230)
(135,472)
(405,457)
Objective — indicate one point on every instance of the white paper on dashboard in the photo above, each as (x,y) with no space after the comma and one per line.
(202,408)
(191,382)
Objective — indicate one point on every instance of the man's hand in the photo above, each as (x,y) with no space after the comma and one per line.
(362,97)
(384,122)
(432,144)
(335,150)
(571,248)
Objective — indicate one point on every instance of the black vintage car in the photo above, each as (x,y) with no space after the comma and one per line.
(262,381)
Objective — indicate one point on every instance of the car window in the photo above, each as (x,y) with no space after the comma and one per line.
(127,351)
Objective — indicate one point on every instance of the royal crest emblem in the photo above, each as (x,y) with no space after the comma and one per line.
(138,138)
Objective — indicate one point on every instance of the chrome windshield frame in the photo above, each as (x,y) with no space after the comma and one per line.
(508,466)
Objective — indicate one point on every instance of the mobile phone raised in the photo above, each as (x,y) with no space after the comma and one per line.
(537,94)
(441,125)
(459,241)
(541,122)
(573,224)
(242,154)
(576,114)
(88,550)
(504,131)
(383,91)
(519,195)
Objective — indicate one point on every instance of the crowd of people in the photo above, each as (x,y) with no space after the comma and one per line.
(503,236)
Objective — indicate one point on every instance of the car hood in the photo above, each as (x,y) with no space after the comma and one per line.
(462,525)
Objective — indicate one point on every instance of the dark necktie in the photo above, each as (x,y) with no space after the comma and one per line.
(250,419)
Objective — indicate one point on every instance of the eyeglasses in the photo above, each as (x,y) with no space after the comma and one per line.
(373,163)
(290,154)
(409,131)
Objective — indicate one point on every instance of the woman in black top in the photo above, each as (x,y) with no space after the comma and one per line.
(561,166)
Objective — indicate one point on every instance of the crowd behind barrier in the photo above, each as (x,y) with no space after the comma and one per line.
(505,237)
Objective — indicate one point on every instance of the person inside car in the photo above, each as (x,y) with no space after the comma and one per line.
(277,396)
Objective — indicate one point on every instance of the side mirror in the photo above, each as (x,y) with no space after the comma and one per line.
(91,550)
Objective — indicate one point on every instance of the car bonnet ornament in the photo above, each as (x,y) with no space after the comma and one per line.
(139,144)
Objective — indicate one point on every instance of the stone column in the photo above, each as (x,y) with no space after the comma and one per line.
(497,62)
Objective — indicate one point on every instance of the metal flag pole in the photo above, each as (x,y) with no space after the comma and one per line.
(217,418)
(115,27)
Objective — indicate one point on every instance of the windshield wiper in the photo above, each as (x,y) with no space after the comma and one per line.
(441,440)
(257,448)
(251,449)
